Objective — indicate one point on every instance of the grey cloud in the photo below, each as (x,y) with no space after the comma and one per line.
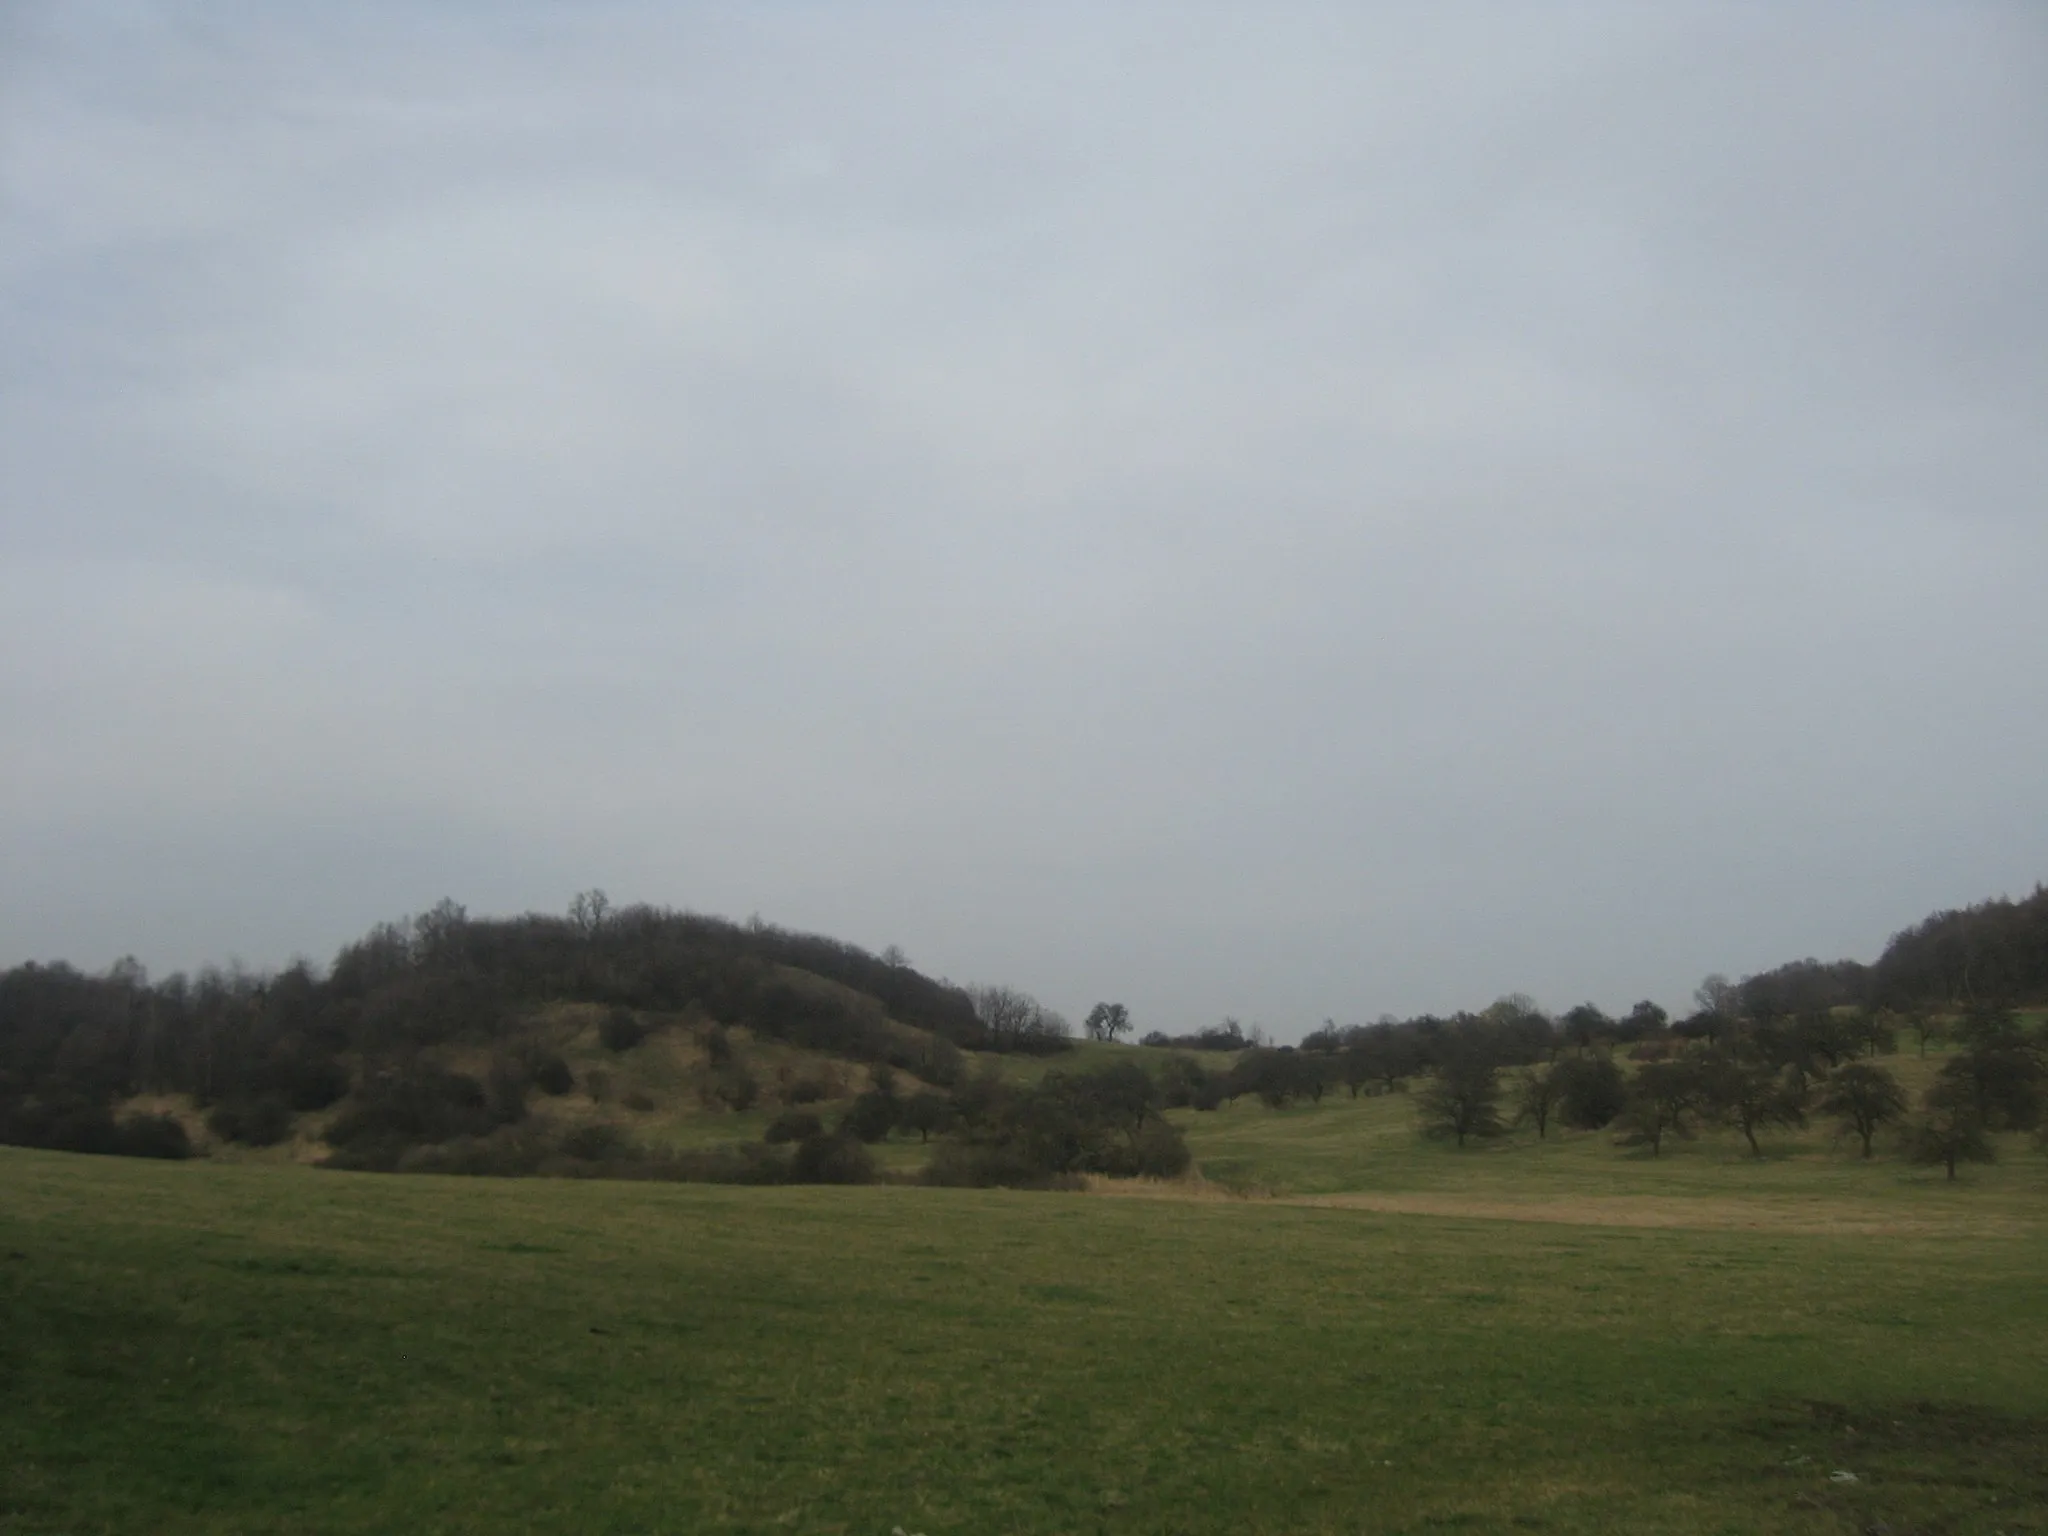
(1290,513)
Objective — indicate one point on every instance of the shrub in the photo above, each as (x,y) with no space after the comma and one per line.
(1181,1081)
(598,1143)
(549,1073)
(735,1087)
(805,1090)
(152,1136)
(967,1165)
(793,1125)
(1590,1092)
(871,1117)
(639,1103)
(307,1082)
(407,1108)
(1158,1151)
(825,1159)
(252,1122)
(941,1062)
(508,1152)
(621,1030)
(505,1090)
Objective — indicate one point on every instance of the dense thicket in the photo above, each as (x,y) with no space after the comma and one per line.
(1996,951)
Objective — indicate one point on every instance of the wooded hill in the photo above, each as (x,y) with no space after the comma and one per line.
(378,1033)
(74,1046)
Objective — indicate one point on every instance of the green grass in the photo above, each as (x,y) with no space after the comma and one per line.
(1370,1144)
(247,1348)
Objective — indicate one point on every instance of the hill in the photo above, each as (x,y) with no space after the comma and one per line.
(651,1043)
(445,1026)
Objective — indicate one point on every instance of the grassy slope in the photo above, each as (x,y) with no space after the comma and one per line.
(1371,1144)
(214,1347)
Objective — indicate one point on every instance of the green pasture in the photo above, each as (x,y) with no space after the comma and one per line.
(214,1347)
(1370,1144)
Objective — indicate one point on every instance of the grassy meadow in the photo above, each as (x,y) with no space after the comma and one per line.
(1342,1329)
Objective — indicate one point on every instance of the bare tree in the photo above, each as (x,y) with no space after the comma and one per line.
(1014,1017)
(589,909)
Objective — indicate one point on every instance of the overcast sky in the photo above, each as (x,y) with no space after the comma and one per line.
(1284,511)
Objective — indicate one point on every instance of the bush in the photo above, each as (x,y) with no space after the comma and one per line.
(598,1143)
(805,1090)
(639,1103)
(307,1082)
(871,1117)
(152,1136)
(252,1122)
(966,1165)
(824,1159)
(621,1030)
(734,1087)
(941,1062)
(1158,1151)
(793,1125)
(1181,1080)
(408,1108)
(509,1152)
(549,1073)
(1591,1092)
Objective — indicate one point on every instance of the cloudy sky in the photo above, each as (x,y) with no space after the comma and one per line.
(1283,511)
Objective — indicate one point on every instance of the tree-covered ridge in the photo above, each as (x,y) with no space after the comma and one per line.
(72,1045)
(378,1028)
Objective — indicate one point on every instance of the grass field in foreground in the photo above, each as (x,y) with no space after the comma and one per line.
(254,1349)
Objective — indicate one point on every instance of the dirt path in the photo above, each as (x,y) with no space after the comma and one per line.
(1707,1212)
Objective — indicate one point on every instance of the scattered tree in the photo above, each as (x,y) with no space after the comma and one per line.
(1751,1096)
(1952,1129)
(926,1113)
(1863,1098)
(1462,1100)
(1663,1096)
(1536,1097)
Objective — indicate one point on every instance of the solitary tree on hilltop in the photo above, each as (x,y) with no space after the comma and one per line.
(1106,1021)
